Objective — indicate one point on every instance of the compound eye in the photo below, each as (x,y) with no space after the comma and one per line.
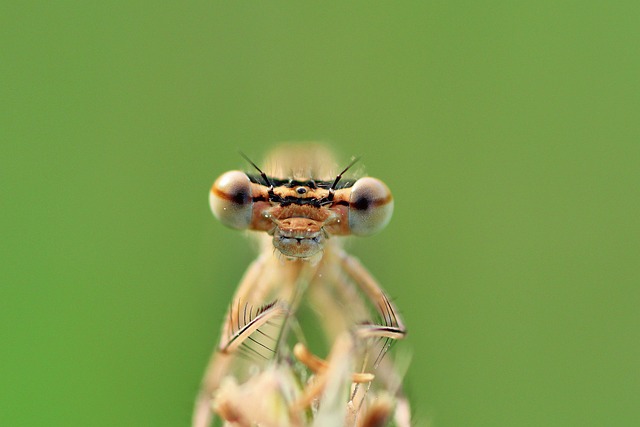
(230,199)
(370,206)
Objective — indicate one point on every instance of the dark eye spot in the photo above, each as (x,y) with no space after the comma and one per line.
(301,190)
(362,203)
(240,196)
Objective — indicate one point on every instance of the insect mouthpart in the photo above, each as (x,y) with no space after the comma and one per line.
(298,237)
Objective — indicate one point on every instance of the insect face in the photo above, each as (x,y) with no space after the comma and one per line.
(301,215)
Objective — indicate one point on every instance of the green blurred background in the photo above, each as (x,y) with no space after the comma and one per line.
(508,132)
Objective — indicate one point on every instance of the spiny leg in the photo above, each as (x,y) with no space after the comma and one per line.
(220,360)
(256,323)
(390,328)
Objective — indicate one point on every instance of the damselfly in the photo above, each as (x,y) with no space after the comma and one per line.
(262,372)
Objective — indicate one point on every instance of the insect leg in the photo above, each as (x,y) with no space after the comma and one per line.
(389,328)
(391,325)
(221,360)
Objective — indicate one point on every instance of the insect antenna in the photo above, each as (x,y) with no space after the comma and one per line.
(332,190)
(264,176)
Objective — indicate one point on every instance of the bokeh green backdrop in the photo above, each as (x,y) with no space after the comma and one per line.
(508,132)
